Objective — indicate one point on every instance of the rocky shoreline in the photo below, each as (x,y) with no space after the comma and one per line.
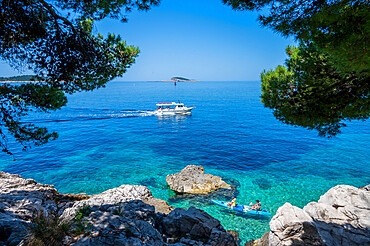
(37,214)
(340,217)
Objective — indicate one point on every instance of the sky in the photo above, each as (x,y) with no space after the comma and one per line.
(197,39)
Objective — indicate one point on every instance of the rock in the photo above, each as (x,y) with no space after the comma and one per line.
(263,241)
(130,223)
(12,229)
(119,195)
(23,200)
(367,187)
(171,240)
(193,180)
(197,225)
(293,226)
(235,234)
(127,215)
(136,223)
(160,205)
(340,217)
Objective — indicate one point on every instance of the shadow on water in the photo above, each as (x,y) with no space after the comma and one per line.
(152,182)
(24,166)
(96,156)
(225,212)
(232,181)
(263,184)
(205,199)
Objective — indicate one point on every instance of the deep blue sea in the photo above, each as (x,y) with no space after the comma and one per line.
(110,137)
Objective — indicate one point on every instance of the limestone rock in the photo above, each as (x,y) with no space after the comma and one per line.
(119,195)
(340,217)
(197,225)
(129,223)
(13,182)
(293,226)
(127,215)
(263,241)
(160,206)
(193,180)
(367,187)
(235,234)
(23,200)
(136,223)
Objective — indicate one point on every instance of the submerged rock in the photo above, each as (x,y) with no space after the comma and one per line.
(340,217)
(263,184)
(192,179)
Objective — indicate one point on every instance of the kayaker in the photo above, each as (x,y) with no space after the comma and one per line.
(256,206)
(232,203)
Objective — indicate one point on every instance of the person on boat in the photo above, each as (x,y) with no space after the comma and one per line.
(232,203)
(256,206)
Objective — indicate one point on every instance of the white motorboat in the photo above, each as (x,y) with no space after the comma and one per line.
(172,109)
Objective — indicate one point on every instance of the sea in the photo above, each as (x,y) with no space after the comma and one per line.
(110,136)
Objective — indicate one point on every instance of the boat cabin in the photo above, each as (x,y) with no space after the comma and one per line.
(172,105)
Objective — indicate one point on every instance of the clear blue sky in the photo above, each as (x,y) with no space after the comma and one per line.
(201,39)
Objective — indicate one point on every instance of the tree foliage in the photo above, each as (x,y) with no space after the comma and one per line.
(326,79)
(339,28)
(60,50)
(310,92)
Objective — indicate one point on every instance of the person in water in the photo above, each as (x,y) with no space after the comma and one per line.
(256,206)
(232,203)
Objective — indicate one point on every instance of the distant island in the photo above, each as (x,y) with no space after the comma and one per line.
(34,79)
(179,79)
(20,78)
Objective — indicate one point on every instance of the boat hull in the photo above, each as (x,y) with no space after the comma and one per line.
(186,111)
(240,208)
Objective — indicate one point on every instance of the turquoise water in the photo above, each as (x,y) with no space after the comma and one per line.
(109,137)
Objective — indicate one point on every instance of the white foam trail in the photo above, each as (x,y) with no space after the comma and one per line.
(81,116)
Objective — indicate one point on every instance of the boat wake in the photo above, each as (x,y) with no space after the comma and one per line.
(85,115)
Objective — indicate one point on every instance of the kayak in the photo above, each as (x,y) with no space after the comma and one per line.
(241,208)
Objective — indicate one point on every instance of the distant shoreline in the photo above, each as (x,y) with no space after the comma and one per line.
(11,81)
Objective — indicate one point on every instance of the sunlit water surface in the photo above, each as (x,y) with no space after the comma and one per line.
(110,137)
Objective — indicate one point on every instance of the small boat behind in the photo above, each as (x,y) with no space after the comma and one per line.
(172,109)
(241,208)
